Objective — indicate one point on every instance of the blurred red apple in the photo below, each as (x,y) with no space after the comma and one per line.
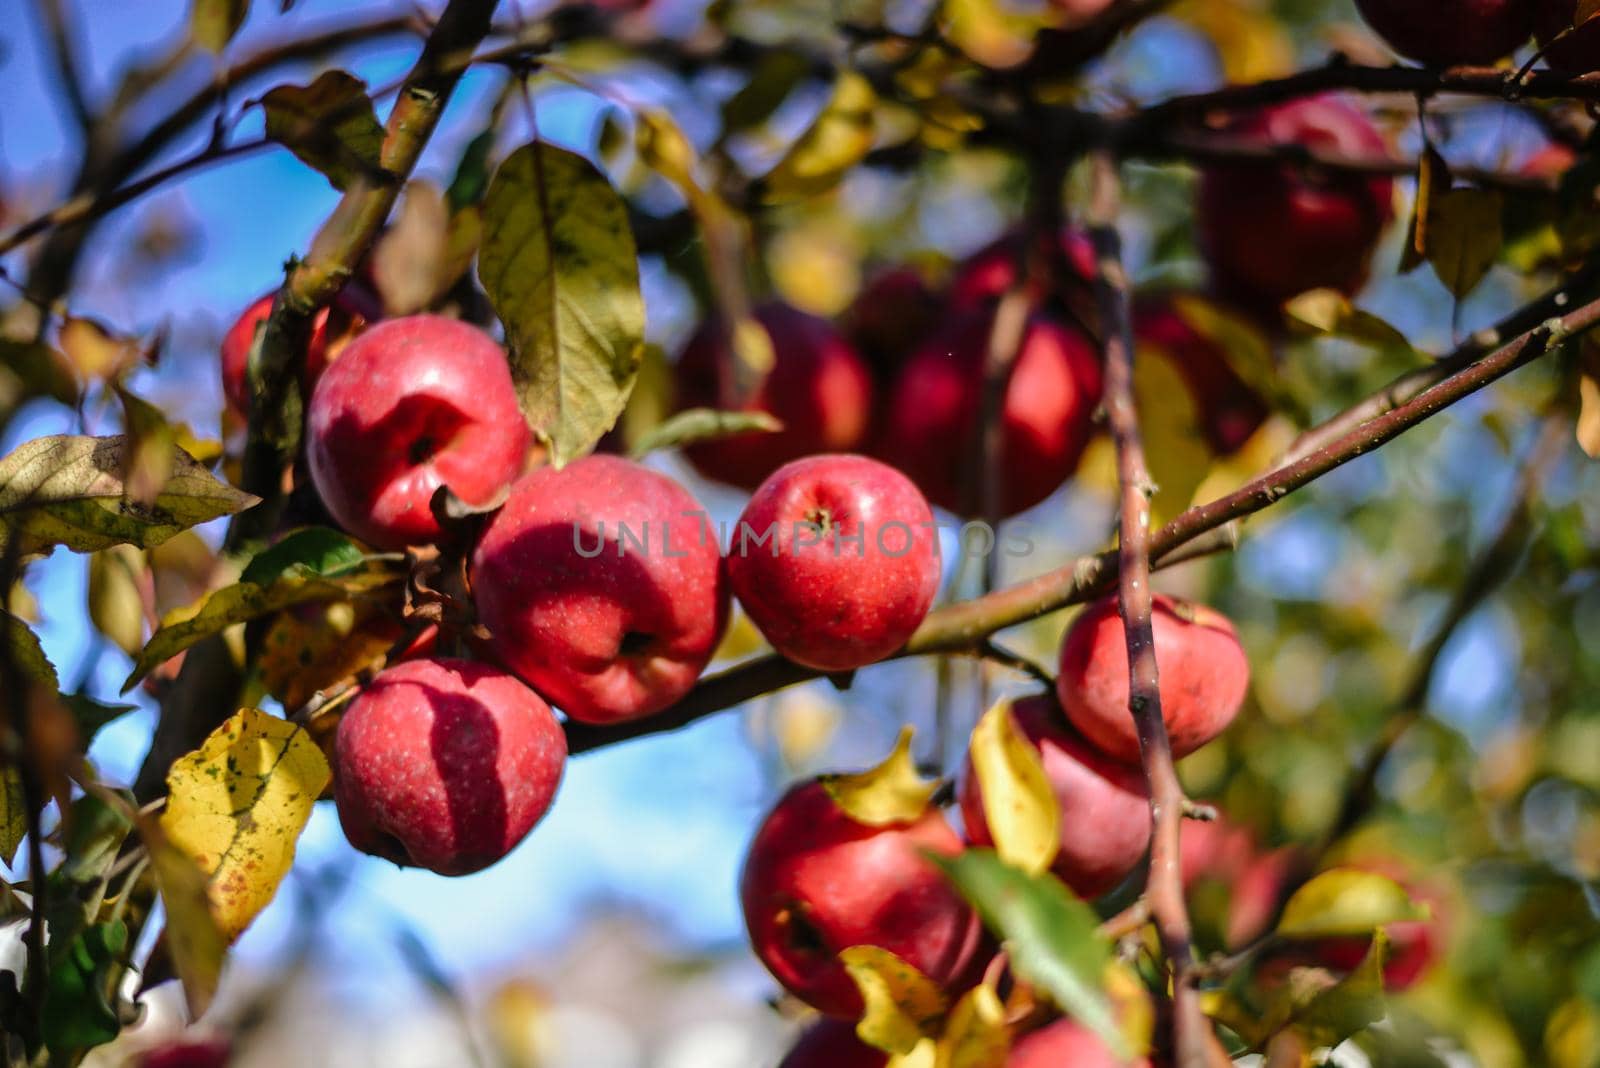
(1444,33)
(1576,53)
(1066,1044)
(1273,230)
(818,388)
(894,312)
(988,273)
(931,429)
(1230,411)
(833,1044)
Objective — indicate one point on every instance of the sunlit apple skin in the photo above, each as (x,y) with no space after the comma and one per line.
(850,563)
(607,625)
(817,882)
(352,309)
(411,405)
(833,1044)
(1105,807)
(819,388)
(1204,676)
(1230,411)
(446,765)
(894,313)
(1445,33)
(1065,1043)
(1271,231)
(932,422)
(1576,53)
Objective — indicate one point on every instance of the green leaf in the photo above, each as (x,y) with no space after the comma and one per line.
(1345,902)
(13,814)
(1464,237)
(91,714)
(1353,1004)
(245,601)
(27,655)
(309,551)
(559,264)
(329,125)
(1327,311)
(77,1014)
(840,138)
(702,424)
(472,173)
(775,76)
(213,23)
(68,490)
(1053,937)
(40,371)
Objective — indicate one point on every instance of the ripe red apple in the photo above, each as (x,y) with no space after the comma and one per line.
(835,560)
(1576,53)
(1065,1043)
(1105,807)
(816,882)
(409,406)
(1230,411)
(891,316)
(833,1044)
(189,1053)
(1273,230)
(931,428)
(350,311)
(1203,671)
(603,586)
(445,764)
(1414,945)
(1444,33)
(989,272)
(819,389)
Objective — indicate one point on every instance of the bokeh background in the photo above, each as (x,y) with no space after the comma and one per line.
(612,937)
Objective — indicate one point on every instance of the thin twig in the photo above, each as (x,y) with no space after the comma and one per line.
(63,50)
(1164,881)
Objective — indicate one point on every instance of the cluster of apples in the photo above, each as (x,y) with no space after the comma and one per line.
(818,881)
(1453,32)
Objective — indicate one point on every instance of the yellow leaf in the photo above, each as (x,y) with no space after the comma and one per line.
(841,136)
(1589,402)
(993,32)
(194,940)
(214,22)
(1136,1016)
(893,792)
(1464,237)
(975,1035)
(311,648)
(1347,902)
(1018,803)
(94,350)
(237,806)
(1250,41)
(902,1004)
(115,604)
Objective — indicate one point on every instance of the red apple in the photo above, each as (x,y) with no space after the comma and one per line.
(409,406)
(602,585)
(931,429)
(1444,33)
(1203,671)
(891,316)
(350,311)
(835,560)
(1065,1044)
(833,1044)
(818,388)
(989,272)
(189,1053)
(1576,53)
(445,764)
(1105,807)
(816,882)
(1414,945)
(1230,411)
(1551,161)
(1216,849)
(1274,230)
